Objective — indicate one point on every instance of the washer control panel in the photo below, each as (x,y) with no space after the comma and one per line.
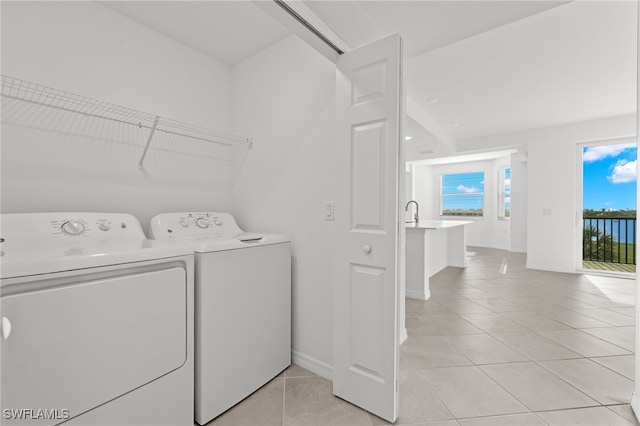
(201,220)
(171,225)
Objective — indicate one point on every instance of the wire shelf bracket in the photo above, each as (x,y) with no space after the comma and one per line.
(146,147)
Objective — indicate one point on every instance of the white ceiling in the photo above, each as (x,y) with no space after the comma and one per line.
(228,31)
(425,25)
(479,68)
(572,63)
(493,66)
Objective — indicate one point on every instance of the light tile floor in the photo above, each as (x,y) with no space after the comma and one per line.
(490,347)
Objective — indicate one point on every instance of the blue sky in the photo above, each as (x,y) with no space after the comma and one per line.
(468,188)
(609,177)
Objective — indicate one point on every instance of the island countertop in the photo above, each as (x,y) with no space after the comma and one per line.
(436,224)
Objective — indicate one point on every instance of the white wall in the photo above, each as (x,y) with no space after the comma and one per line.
(488,231)
(552,187)
(85,48)
(425,186)
(284,96)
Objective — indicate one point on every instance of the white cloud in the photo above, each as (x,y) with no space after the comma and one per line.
(624,171)
(596,153)
(467,189)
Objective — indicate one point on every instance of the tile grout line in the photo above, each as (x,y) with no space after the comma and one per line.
(580,390)
(284,393)
(481,370)
(590,335)
(541,366)
(457,293)
(426,382)
(609,368)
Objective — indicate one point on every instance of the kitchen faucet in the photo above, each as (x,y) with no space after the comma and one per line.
(406,208)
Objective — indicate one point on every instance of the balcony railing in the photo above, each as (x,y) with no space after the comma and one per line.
(609,240)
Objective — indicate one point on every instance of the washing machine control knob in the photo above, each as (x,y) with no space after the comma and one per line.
(202,223)
(73,227)
(217,222)
(104,226)
(184,223)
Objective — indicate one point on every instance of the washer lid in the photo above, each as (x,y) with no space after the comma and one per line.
(41,243)
(213,242)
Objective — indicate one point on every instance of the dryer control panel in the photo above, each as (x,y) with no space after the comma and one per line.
(173,225)
(82,226)
(53,227)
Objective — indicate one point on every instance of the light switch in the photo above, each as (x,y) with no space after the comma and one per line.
(329,210)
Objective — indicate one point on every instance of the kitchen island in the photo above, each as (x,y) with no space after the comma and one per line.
(432,245)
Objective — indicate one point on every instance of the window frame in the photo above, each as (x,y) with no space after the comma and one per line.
(504,193)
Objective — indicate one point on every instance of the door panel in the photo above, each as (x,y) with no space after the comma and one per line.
(367,166)
(366,294)
(367,297)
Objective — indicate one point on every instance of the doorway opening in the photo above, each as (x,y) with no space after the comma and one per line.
(608,206)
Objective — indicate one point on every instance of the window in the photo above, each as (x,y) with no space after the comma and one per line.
(462,194)
(504,193)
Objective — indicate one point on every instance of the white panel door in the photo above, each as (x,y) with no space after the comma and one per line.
(366,307)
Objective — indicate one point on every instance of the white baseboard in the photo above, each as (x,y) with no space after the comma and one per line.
(312,364)
(322,368)
(550,268)
(415,295)
(489,246)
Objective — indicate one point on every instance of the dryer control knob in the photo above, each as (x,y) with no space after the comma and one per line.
(73,227)
(202,223)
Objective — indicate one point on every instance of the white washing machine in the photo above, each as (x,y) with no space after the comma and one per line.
(243,306)
(96,322)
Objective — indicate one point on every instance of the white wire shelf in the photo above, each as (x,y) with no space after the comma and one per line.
(26,102)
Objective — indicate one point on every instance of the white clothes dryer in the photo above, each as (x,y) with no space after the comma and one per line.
(243,306)
(97,322)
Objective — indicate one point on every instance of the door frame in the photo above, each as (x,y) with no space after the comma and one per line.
(579,196)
